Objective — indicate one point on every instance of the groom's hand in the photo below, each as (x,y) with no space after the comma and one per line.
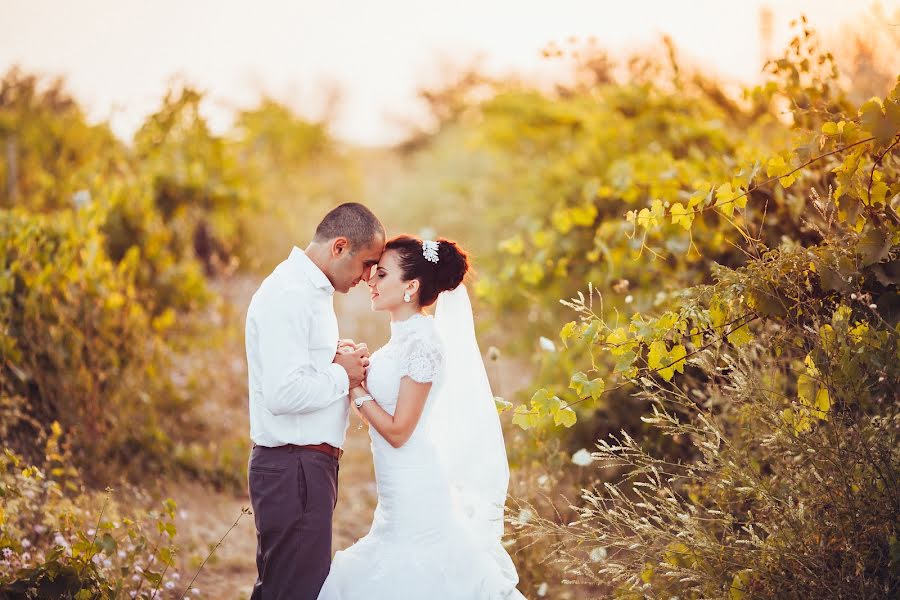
(354,362)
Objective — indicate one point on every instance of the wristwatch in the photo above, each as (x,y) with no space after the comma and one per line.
(359,401)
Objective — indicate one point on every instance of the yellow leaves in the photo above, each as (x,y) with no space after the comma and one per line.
(740,335)
(881,119)
(832,128)
(584,386)
(562,221)
(682,216)
(844,129)
(718,313)
(543,404)
(567,332)
(564,416)
(727,199)
(878,194)
(665,361)
(739,585)
(514,246)
(524,418)
(618,342)
(531,273)
(797,420)
(815,402)
(584,215)
(778,167)
(577,216)
(649,218)
(114,301)
(164,321)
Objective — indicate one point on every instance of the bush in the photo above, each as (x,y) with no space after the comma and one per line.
(53,547)
(774,384)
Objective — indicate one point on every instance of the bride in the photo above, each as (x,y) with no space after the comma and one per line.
(440,463)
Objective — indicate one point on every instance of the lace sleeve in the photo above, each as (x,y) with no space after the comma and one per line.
(423,360)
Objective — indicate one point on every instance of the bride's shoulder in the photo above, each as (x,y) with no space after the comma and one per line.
(424,351)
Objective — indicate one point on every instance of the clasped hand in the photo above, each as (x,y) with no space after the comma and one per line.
(354,358)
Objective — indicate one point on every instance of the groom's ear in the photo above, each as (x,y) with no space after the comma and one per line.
(339,246)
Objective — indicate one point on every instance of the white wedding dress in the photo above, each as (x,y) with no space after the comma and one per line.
(421,544)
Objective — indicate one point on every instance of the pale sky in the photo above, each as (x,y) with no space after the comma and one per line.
(119,55)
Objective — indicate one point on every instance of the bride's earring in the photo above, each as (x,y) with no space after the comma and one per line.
(406,297)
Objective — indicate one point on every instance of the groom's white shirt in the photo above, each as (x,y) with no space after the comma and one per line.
(297,394)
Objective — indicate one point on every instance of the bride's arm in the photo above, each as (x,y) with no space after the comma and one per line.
(396,429)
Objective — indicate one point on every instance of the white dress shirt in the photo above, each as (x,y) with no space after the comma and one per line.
(297,394)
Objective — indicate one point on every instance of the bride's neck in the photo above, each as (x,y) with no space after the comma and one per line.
(405,311)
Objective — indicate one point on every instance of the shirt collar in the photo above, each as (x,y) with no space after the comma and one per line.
(306,266)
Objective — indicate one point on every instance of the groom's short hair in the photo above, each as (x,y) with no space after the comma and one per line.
(353,221)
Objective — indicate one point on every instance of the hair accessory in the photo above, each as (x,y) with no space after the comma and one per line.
(430,250)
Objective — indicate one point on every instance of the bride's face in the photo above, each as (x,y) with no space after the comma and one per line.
(387,286)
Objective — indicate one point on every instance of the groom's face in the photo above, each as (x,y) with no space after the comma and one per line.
(351,265)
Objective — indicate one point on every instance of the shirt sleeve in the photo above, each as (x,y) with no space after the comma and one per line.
(291,383)
(423,360)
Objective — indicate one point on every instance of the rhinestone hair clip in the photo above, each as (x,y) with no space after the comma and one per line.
(430,250)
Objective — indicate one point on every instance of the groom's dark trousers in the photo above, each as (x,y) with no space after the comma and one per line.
(293,491)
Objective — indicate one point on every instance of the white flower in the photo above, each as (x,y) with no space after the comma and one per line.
(170,585)
(598,554)
(135,577)
(91,532)
(133,594)
(107,563)
(524,516)
(547,344)
(543,480)
(81,197)
(96,559)
(582,458)
(195,591)
(542,589)
(26,543)
(629,299)
(121,554)
(7,552)
(39,529)
(26,556)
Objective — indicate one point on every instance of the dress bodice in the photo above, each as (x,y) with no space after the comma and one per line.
(414,351)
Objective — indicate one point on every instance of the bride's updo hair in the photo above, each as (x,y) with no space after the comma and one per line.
(444,275)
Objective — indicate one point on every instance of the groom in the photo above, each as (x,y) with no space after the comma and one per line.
(299,376)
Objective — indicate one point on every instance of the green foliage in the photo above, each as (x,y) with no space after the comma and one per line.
(58,154)
(107,316)
(81,345)
(52,547)
(763,346)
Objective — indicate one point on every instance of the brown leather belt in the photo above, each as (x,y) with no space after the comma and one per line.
(323,448)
